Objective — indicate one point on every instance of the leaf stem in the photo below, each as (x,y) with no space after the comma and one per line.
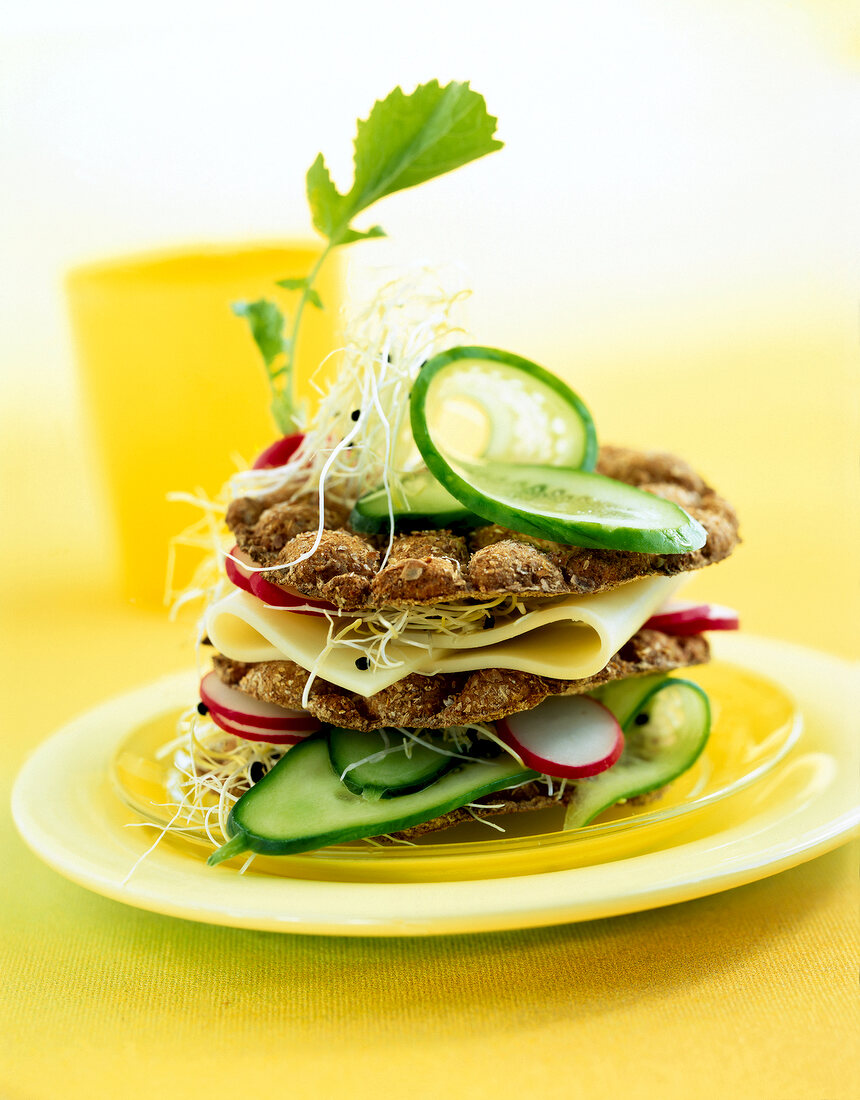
(288,394)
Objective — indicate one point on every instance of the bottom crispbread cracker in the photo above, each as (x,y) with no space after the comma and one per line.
(531,796)
(451,699)
(433,702)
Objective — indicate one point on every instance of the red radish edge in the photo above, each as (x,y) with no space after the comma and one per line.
(681,618)
(565,736)
(279,452)
(679,611)
(276,596)
(301,726)
(248,733)
(236,570)
(245,574)
(236,707)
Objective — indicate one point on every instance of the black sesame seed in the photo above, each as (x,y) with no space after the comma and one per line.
(355,414)
(641,719)
(362,664)
(202,708)
(258,770)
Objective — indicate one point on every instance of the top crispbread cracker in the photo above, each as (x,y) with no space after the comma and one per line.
(434,567)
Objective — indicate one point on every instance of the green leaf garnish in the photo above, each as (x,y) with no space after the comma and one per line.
(405,140)
(314,298)
(302,284)
(267,328)
(351,235)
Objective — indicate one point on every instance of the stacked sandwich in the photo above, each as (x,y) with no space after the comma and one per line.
(396,658)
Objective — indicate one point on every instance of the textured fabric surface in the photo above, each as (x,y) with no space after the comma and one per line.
(750,992)
(745,994)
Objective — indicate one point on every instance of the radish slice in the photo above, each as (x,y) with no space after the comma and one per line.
(678,611)
(237,707)
(683,618)
(568,736)
(251,733)
(279,452)
(245,574)
(240,574)
(276,596)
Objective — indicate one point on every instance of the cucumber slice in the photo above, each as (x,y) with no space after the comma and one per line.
(393,774)
(677,721)
(482,403)
(301,803)
(420,504)
(527,466)
(625,697)
(572,507)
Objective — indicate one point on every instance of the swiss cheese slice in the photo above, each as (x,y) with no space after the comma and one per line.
(568,640)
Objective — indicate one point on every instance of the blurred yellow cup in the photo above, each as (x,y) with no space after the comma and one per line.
(174,385)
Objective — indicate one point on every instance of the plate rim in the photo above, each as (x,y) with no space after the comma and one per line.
(424,908)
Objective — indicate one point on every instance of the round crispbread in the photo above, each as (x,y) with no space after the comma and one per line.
(432,567)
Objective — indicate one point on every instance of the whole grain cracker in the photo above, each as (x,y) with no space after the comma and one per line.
(451,699)
(433,567)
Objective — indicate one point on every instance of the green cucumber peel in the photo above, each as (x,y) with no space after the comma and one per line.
(625,698)
(562,502)
(521,371)
(301,805)
(235,846)
(419,503)
(376,765)
(645,764)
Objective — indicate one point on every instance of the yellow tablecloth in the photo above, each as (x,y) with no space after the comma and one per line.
(749,993)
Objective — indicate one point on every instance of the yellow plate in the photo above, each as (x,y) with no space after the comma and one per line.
(717,831)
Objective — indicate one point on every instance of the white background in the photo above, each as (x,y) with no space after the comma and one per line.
(661,157)
(675,213)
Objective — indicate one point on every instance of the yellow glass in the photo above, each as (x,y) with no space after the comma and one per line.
(174,385)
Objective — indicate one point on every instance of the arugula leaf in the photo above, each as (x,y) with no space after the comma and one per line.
(267,327)
(323,198)
(405,140)
(314,298)
(350,235)
(302,284)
